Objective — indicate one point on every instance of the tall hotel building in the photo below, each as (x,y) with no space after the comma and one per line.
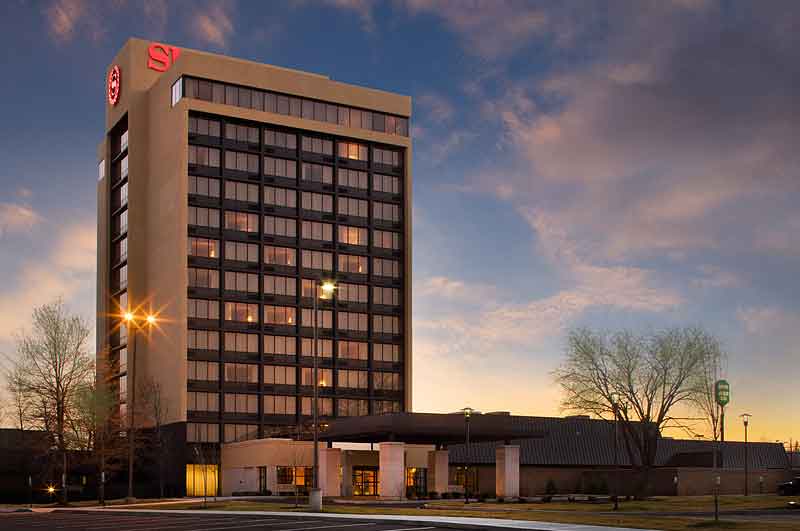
(226,189)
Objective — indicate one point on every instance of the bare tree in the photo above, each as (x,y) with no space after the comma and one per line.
(53,366)
(156,410)
(712,368)
(650,376)
(19,400)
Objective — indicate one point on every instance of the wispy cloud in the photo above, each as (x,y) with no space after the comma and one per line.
(363,8)
(213,24)
(15,218)
(63,18)
(435,107)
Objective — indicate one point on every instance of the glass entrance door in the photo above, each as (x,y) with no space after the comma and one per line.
(365,481)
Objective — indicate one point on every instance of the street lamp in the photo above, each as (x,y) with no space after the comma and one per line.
(130,320)
(615,411)
(327,289)
(746,421)
(467,411)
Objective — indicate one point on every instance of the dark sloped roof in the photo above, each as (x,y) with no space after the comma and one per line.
(580,441)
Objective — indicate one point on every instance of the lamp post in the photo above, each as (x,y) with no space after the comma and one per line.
(746,422)
(131,319)
(468,411)
(327,288)
(615,411)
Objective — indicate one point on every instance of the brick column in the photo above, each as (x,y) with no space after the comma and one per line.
(507,471)
(438,470)
(330,460)
(392,459)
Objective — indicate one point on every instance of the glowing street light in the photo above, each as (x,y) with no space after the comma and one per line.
(327,288)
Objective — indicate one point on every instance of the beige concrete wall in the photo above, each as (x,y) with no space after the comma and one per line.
(264,452)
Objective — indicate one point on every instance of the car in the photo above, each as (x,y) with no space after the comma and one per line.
(790,488)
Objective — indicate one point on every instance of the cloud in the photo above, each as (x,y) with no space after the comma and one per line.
(714,277)
(24,193)
(17,218)
(363,8)
(63,17)
(213,24)
(434,107)
(67,272)
(768,320)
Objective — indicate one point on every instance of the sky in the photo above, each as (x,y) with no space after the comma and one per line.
(617,165)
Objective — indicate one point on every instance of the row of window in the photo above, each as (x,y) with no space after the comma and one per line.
(246,312)
(285,375)
(287,256)
(287,286)
(286,346)
(267,101)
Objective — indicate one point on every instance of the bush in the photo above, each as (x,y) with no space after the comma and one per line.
(433,495)
(411,493)
(500,499)
(547,499)
(550,487)
(445,495)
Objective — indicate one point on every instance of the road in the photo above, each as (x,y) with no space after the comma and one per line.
(107,521)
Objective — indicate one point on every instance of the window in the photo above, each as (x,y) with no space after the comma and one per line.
(386,353)
(352,178)
(349,206)
(317,145)
(280,197)
(202,401)
(280,345)
(385,324)
(352,379)
(349,263)
(307,289)
(386,211)
(352,321)
(317,173)
(236,160)
(240,432)
(386,381)
(205,371)
(383,267)
(119,278)
(280,167)
(279,375)
(238,191)
(204,156)
(352,235)
(121,250)
(122,360)
(123,167)
(386,239)
(279,315)
(202,309)
(204,186)
(280,226)
(279,255)
(386,156)
(242,252)
(241,133)
(203,247)
(324,377)
(176,92)
(241,373)
(275,285)
(386,184)
(353,350)
(382,407)
(324,318)
(101,170)
(119,197)
(351,150)
(123,389)
(204,217)
(243,404)
(241,221)
(244,282)
(324,406)
(203,278)
(318,202)
(202,126)
(279,405)
(352,408)
(239,342)
(279,139)
(314,230)
(120,223)
(317,260)
(203,340)
(386,296)
(324,347)
(200,432)
(241,311)
(352,292)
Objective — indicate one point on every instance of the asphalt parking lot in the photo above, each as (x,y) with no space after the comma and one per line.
(102,521)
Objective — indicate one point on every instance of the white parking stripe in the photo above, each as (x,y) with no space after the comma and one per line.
(325,527)
(408,529)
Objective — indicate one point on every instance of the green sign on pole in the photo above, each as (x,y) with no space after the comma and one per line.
(722,390)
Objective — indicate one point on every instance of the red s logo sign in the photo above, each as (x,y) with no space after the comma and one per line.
(161,56)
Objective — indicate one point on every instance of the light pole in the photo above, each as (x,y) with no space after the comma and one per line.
(315,496)
(468,411)
(746,421)
(615,410)
(131,319)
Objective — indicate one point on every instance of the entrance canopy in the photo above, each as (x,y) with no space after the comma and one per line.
(429,428)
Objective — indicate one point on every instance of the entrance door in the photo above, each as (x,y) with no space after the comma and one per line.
(365,481)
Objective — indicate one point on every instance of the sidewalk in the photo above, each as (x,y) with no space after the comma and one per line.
(463,522)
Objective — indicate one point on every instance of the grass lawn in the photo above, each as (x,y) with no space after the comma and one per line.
(582,514)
